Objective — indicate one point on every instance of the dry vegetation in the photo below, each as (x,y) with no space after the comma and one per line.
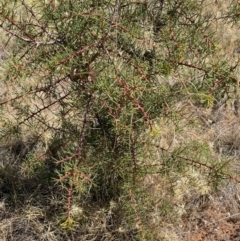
(187,205)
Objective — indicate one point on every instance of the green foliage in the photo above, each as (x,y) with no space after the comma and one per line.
(88,78)
(69,224)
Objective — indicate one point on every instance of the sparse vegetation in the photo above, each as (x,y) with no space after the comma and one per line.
(118,118)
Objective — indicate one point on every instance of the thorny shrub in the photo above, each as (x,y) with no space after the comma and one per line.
(85,83)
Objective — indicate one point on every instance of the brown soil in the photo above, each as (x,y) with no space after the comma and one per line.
(215,223)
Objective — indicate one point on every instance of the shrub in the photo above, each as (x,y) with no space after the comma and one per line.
(88,80)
